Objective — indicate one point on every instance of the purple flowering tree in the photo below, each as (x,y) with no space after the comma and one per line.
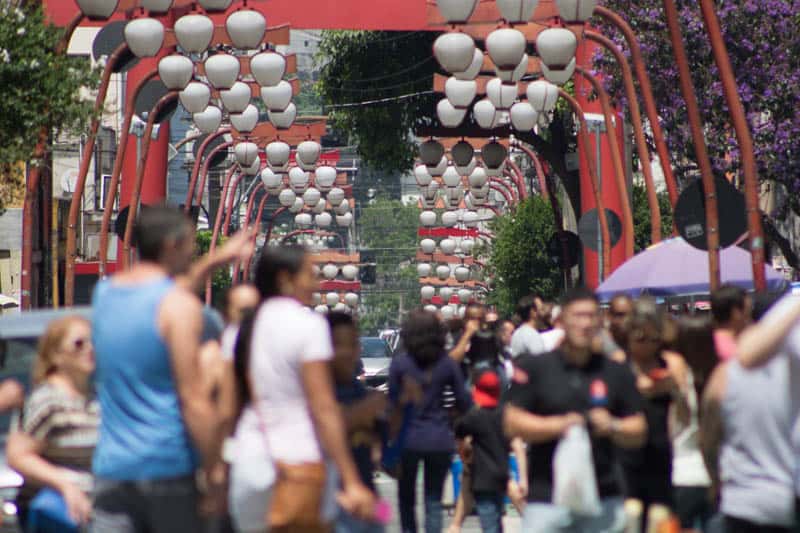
(763,40)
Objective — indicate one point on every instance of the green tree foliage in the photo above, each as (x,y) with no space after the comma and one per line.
(221,281)
(519,261)
(41,88)
(641,216)
(362,66)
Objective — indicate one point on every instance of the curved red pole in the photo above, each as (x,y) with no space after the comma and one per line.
(505,194)
(247,213)
(187,205)
(638,132)
(188,139)
(218,223)
(111,194)
(537,165)
(508,188)
(519,179)
(647,97)
(205,170)
(136,193)
(229,201)
(259,213)
(616,159)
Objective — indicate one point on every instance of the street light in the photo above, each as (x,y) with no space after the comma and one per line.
(209,120)
(194,32)
(283,120)
(268,68)
(222,70)
(506,47)
(97,9)
(236,98)
(246,153)
(449,116)
(576,11)
(456,11)
(175,71)
(246,28)
(501,95)
(144,36)
(195,96)
(523,116)
(246,121)
(517,11)
(454,51)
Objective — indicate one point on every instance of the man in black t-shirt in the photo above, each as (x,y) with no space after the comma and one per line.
(574,386)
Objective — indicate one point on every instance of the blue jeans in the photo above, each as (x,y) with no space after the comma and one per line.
(435,466)
(549,518)
(489,506)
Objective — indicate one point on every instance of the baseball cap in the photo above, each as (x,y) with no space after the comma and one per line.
(486,390)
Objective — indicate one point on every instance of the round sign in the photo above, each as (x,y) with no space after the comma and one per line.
(589,229)
(148,97)
(107,40)
(690,214)
(219,157)
(573,245)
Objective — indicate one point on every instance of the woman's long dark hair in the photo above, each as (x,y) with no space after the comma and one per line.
(696,345)
(423,336)
(272,262)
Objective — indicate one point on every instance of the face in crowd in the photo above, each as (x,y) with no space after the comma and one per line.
(346,351)
(620,312)
(581,322)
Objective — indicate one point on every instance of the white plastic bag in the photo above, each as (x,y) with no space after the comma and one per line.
(574,483)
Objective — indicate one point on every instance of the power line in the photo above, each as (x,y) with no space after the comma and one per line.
(394,74)
(379,101)
(379,89)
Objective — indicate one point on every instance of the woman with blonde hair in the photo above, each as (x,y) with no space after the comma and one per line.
(52,444)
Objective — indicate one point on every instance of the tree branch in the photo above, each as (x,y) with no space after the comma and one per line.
(776,238)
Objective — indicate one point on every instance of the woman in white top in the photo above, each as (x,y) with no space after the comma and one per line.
(291,416)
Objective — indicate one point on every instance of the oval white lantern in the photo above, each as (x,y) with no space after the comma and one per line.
(268,68)
(97,9)
(439,169)
(428,246)
(429,192)
(350,272)
(331,299)
(431,309)
(254,169)
(330,271)
(278,153)
(431,152)
(246,28)
(325,178)
(454,51)
(501,95)
(298,180)
(451,177)
(494,155)
(335,197)
(194,98)
(323,220)
(462,274)
(523,116)
(351,299)
(542,95)
(506,46)
(283,120)
(456,11)
(422,175)
(513,76)
(342,208)
(465,295)
(297,206)
(486,114)
(277,97)
(424,270)
(273,183)
(175,71)
(321,206)
(316,298)
(246,121)
(517,11)
(144,36)
(427,218)
(559,77)
(468,168)
(303,220)
(344,220)
(215,5)
(341,307)
(208,120)
(474,68)
(287,197)
(462,153)
(447,246)
(461,93)
(222,70)
(556,47)
(236,98)
(480,193)
(157,6)
(576,11)
(194,33)
(449,116)
(427,292)
(321,309)
(478,178)
(446,293)
(449,219)
(246,153)
(442,272)
(308,153)
(312,196)
(448,312)
(470,219)
(467,245)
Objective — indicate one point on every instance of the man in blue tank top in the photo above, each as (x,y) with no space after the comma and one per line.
(158,427)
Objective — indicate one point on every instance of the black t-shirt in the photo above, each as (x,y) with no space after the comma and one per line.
(490,449)
(547,385)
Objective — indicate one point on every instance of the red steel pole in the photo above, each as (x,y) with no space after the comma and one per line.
(206,167)
(196,167)
(250,201)
(218,223)
(519,179)
(229,207)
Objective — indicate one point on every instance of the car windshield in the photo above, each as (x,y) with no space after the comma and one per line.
(374,347)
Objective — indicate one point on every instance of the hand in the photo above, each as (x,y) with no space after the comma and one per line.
(214,490)
(601,422)
(12,395)
(471,328)
(517,494)
(411,392)
(569,420)
(79,506)
(357,500)
(238,247)
(465,450)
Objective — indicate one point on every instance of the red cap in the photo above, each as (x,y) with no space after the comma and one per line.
(486,390)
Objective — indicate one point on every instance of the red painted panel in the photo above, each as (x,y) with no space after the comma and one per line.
(447,232)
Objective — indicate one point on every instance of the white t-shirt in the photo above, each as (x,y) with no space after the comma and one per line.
(552,339)
(227,342)
(526,340)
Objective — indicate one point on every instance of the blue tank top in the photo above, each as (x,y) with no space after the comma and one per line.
(142,434)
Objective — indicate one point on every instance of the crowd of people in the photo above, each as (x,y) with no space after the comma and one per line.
(151,418)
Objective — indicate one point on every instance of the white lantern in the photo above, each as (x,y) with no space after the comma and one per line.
(496,172)
(341,307)
(325,178)
(253,169)
(246,121)
(424,270)
(474,68)
(486,114)
(287,197)
(449,116)
(523,116)
(331,299)
(439,169)
(323,220)
(303,220)
(308,153)
(431,309)
(468,168)
(448,312)
(461,93)
(494,155)
(351,299)
(467,245)
(446,293)
(157,6)
(431,152)
(483,190)
(97,9)
(321,309)
(506,46)
(456,11)
(278,153)
(175,71)
(222,70)
(478,178)
(298,180)
(321,206)
(427,292)
(454,51)
(237,98)
(283,120)
(194,98)
(428,246)
(429,192)
(451,177)
(517,11)
(465,295)
(443,272)
(316,298)
(542,95)
(330,271)
(461,153)
(470,219)
(273,183)
(448,246)
(194,33)
(556,47)
(462,274)
(246,28)
(277,97)
(427,218)
(422,175)
(513,76)
(208,120)
(350,272)
(215,5)
(335,197)
(297,206)
(576,11)
(312,196)
(501,95)
(449,219)
(342,208)
(268,68)
(144,36)
(559,77)
(246,153)
(344,220)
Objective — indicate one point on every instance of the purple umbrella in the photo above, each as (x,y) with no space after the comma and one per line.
(675,268)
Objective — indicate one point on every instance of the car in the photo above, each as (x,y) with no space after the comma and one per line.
(376,356)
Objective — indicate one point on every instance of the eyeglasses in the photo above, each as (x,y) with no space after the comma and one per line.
(78,345)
